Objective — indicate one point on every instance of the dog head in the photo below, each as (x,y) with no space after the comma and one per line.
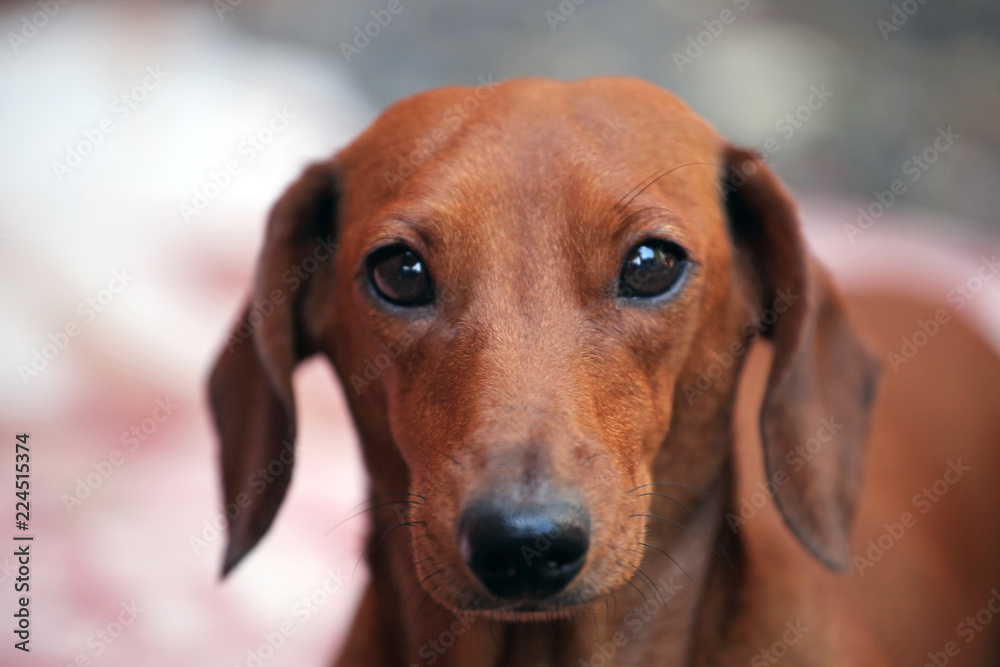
(537,296)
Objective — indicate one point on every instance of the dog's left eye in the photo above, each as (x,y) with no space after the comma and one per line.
(651,268)
(400,276)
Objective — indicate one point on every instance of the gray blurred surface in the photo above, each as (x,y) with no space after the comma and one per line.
(893,86)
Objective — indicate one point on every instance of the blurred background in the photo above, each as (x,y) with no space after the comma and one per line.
(142,143)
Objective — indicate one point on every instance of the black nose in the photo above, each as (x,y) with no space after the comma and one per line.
(524,551)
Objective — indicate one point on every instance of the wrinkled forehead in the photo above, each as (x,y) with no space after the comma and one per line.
(508,154)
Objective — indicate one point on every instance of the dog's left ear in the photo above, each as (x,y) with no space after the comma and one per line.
(818,402)
(250,388)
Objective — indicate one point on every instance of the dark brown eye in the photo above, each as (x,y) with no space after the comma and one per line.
(651,268)
(400,276)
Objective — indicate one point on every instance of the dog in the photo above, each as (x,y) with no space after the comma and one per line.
(612,409)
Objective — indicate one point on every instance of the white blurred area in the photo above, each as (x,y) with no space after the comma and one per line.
(61,242)
(64,235)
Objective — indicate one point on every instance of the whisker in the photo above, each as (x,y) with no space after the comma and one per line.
(651,546)
(647,579)
(416,614)
(412,566)
(413,538)
(724,552)
(643,210)
(663,518)
(720,550)
(386,495)
(597,629)
(663,495)
(419,584)
(379,541)
(654,178)
(375,507)
(493,635)
(689,486)
(631,583)
(637,590)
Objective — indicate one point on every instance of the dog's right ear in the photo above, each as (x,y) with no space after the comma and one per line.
(250,387)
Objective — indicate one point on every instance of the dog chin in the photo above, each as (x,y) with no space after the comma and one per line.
(526,611)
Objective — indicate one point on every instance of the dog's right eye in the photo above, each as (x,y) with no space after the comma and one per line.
(400,276)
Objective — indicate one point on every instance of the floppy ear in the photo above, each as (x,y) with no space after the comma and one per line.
(823,380)
(250,387)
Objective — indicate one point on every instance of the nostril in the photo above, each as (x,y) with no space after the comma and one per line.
(524,552)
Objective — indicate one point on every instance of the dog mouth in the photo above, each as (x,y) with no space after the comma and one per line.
(530,610)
